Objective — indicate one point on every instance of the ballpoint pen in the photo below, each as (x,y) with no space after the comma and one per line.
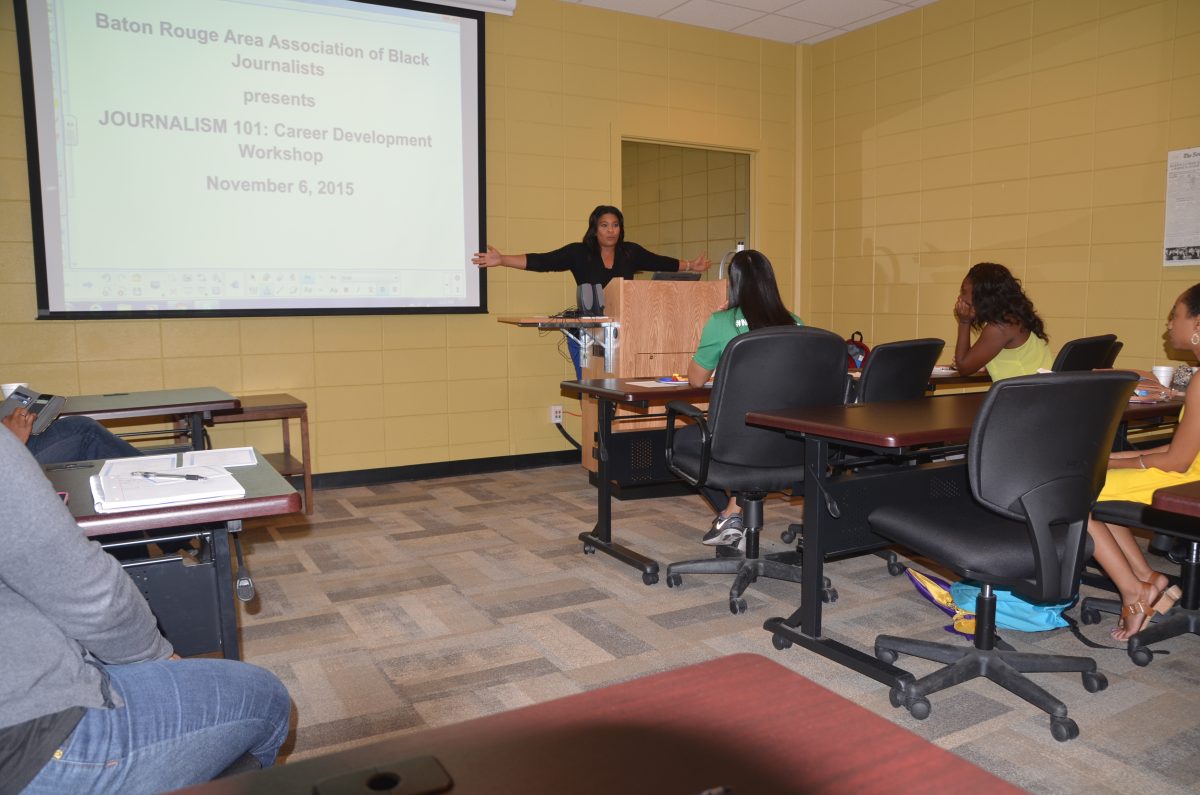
(176,475)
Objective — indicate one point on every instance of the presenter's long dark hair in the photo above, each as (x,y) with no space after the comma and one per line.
(589,237)
(998,298)
(752,288)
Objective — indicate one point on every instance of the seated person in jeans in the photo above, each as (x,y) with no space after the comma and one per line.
(68,439)
(92,698)
(753,302)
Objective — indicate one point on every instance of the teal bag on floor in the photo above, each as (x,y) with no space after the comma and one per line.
(1012,611)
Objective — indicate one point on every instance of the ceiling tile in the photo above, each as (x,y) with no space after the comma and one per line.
(708,14)
(837,13)
(646,8)
(777,28)
(766,6)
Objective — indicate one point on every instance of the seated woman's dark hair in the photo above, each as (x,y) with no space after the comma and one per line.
(752,288)
(589,237)
(1191,299)
(998,298)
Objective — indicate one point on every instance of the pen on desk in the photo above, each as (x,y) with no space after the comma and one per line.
(57,467)
(168,475)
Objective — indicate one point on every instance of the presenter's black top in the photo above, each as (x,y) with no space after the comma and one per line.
(585,265)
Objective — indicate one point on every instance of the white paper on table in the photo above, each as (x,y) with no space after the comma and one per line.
(126,492)
(116,467)
(224,457)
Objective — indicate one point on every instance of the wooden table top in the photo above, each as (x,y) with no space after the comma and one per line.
(1184,499)
(743,722)
(551,322)
(150,403)
(634,390)
(267,494)
(901,423)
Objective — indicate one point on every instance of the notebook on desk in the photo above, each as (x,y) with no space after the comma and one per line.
(128,484)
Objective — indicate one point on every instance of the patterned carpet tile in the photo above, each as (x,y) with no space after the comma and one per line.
(414,604)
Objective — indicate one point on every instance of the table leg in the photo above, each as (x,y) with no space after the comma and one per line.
(196,422)
(226,606)
(803,627)
(601,536)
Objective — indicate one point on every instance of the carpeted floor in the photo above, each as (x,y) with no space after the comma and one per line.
(415,604)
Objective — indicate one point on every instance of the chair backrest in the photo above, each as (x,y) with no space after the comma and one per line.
(1112,354)
(1085,353)
(1039,453)
(772,368)
(899,370)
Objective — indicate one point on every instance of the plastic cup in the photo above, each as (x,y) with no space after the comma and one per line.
(1163,373)
(8,389)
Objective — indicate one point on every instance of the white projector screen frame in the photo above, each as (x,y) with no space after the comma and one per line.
(253,157)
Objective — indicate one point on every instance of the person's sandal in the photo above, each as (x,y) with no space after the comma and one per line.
(1138,608)
(1167,600)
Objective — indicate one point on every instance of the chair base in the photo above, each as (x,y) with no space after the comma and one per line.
(776,566)
(1005,667)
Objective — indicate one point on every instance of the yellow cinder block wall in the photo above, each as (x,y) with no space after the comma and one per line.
(565,84)
(1034,134)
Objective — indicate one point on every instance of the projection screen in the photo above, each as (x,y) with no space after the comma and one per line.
(253,157)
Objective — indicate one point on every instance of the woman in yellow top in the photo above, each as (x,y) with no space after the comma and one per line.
(1012,339)
(1135,475)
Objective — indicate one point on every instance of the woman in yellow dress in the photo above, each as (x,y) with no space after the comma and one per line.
(1135,475)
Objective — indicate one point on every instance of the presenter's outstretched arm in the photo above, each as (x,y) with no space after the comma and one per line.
(493,258)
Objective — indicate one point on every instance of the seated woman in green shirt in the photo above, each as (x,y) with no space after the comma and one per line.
(1012,338)
(752,302)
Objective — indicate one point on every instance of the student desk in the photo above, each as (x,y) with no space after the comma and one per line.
(739,724)
(836,508)
(193,600)
(196,404)
(608,392)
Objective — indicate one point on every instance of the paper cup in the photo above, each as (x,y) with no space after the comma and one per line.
(1163,373)
(9,388)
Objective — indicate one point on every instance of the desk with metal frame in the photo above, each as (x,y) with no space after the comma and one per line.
(836,508)
(608,392)
(267,494)
(196,404)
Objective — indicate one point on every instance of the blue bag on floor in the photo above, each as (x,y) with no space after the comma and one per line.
(1012,611)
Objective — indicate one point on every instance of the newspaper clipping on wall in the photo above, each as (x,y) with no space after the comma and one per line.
(1181,238)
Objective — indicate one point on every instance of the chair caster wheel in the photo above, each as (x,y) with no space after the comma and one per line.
(829,595)
(896,697)
(674,581)
(1089,615)
(1064,729)
(588,549)
(919,708)
(788,536)
(1094,682)
(1141,656)
(649,578)
(896,569)
(781,642)
(737,606)
(886,655)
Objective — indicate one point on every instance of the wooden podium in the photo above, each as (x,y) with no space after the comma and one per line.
(657,327)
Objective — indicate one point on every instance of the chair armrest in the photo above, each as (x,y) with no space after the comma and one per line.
(687,410)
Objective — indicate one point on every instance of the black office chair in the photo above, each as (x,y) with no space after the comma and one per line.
(771,368)
(1085,353)
(1035,462)
(894,371)
(898,370)
(1111,359)
(1184,617)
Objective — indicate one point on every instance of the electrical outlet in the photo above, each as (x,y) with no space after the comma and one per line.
(556,415)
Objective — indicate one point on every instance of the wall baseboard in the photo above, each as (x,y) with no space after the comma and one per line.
(439,469)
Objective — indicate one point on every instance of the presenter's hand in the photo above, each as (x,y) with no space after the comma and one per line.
(20,422)
(700,263)
(487,259)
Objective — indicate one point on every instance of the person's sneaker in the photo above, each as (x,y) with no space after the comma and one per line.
(725,530)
